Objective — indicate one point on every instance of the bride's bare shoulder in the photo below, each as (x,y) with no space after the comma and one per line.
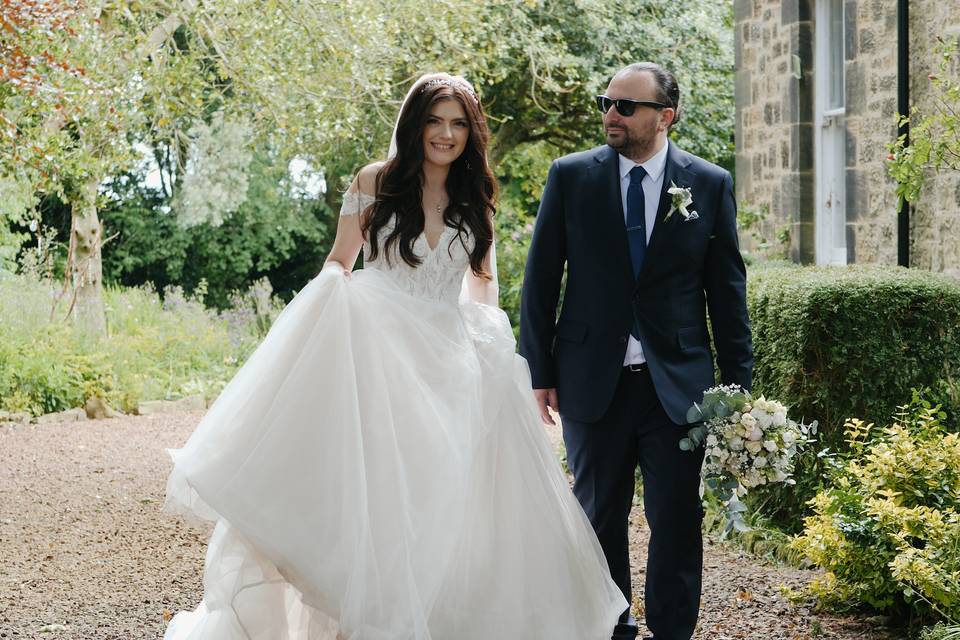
(366,180)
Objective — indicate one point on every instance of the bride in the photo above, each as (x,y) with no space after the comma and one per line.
(378,469)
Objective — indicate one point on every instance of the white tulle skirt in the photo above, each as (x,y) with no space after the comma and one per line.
(378,471)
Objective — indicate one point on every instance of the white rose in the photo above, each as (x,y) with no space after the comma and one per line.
(764,420)
(753,446)
(736,443)
(759,462)
(748,421)
(770,445)
(780,419)
(789,437)
(755,433)
(712,440)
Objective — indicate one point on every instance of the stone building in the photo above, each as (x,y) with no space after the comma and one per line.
(818,87)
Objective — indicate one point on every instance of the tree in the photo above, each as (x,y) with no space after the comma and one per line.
(327,79)
(322,81)
(85,84)
(276,233)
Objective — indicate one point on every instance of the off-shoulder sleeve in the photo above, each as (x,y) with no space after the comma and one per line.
(355,202)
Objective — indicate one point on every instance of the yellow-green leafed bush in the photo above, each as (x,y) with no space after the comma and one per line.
(887,528)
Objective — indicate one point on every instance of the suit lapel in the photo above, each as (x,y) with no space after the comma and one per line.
(612,207)
(675,172)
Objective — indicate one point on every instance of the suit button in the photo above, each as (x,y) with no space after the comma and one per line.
(623,339)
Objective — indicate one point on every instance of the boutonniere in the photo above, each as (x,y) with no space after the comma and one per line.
(680,199)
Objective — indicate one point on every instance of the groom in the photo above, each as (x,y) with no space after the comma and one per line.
(630,352)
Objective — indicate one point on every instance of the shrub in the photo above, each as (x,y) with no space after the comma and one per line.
(839,342)
(832,343)
(154,350)
(886,528)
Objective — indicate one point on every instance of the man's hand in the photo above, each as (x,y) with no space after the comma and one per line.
(546,400)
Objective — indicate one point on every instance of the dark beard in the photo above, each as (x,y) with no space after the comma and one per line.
(630,146)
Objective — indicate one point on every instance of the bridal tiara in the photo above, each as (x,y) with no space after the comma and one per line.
(450,82)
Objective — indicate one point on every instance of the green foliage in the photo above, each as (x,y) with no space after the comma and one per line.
(101,79)
(180,84)
(832,343)
(273,233)
(155,350)
(838,342)
(934,137)
(762,241)
(16,201)
(886,528)
(941,632)
(214,183)
(522,176)
(566,52)
(761,538)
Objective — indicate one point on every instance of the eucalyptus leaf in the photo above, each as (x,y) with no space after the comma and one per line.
(740,525)
(730,483)
(722,410)
(736,506)
(697,435)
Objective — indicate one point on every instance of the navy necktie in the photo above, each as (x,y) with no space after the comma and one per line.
(636,228)
(636,219)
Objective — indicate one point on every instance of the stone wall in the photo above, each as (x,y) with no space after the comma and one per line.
(775,134)
(871,105)
(774,124)
(935,220)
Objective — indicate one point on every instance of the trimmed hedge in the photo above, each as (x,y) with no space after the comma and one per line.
(841,342)
(847,342)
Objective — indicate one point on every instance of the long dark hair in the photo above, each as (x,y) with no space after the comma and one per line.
(471,186)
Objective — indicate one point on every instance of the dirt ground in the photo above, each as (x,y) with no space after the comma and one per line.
(86,553)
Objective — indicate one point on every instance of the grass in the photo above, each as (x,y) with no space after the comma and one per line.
(155,349)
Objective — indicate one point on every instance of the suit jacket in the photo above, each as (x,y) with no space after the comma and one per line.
(690,267)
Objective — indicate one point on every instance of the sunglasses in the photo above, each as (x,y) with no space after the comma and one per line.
(626,107)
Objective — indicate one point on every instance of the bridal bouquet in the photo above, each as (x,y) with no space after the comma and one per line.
(749,442)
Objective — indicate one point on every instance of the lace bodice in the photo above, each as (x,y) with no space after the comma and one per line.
(439,277)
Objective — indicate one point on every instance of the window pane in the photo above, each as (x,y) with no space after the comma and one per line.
(835,45)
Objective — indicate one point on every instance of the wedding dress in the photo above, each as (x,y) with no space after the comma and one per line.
(378,470)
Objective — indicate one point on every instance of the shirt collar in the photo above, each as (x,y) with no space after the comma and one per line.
(654,165)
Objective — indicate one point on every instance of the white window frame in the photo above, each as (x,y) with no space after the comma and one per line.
(829,143)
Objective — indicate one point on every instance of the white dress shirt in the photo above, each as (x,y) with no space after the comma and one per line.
(652,185)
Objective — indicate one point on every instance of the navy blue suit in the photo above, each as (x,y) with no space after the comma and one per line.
(613,419)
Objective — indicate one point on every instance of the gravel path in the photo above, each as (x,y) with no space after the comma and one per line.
(86,552)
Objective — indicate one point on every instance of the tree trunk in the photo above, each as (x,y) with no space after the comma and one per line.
(86,268)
